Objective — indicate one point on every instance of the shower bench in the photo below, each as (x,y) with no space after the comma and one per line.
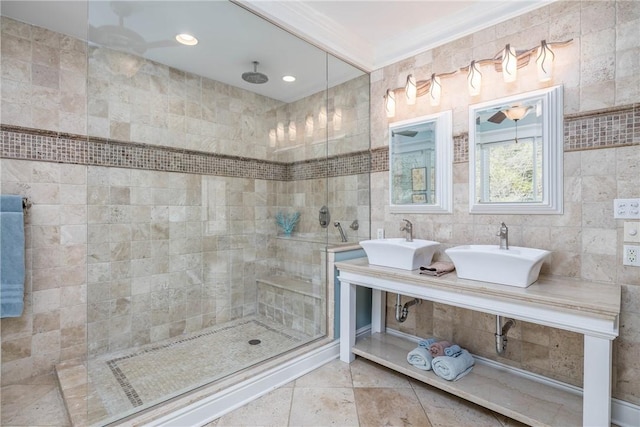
(291,302)
(590,309)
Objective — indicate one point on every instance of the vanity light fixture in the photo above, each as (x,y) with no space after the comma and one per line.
(474,79)
(289,79)
(411,90)
(292,131)
(435,90)
(337,119)
(308,126)
(186,39)
(322,117)
(506,61)
(280,132)
(390,103)
(272,138)
(509,64)
(544,62)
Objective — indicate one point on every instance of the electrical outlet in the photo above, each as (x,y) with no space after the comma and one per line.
(631,255)
(380,233)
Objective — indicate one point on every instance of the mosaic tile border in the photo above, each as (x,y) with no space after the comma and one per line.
(29,144)
(128,388)
(611,127)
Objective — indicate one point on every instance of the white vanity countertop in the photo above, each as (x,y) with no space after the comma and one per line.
(591,298)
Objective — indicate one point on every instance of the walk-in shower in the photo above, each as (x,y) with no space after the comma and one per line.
(189,280)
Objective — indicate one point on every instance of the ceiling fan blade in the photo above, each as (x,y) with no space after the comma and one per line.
(497,118)
(410,133)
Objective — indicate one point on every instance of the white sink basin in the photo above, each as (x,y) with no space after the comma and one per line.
(516,266)
(398,253)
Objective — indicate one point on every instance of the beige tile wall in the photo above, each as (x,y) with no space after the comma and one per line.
(122,257)
(597,70)
(54,324)
(44,82)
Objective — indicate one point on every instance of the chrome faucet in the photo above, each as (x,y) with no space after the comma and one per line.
(343,236)
(408,227)
(504,236)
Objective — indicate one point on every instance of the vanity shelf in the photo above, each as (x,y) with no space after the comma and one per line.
(591,309)
(514,396)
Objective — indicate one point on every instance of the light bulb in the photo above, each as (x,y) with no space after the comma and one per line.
(272,138)
(390,103)
(292,131)
(337,119)
(308,126)
(322,117)
(411,90)
(280,132)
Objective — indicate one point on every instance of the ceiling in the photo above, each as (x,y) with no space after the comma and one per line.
(367,34)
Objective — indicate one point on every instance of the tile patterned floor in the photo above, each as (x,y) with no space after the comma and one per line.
(360,394)
(136,378)
(35,402)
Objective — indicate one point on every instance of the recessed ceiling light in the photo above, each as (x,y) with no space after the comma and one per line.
(289,79)
(187,39)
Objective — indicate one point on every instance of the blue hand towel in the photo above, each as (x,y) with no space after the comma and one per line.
(453,368)
(10,203)
(452,351)
(12,269)
(420,358)
(426,343)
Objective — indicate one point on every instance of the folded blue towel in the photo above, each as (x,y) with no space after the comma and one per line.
(12,269)
(10,203)
(452,351)
(426,343)
(420,358)
(453,368)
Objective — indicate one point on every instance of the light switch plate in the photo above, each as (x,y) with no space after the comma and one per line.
(631,232)
(626,208)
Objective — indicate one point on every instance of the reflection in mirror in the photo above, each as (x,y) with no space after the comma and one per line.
(515,154)
(420,155)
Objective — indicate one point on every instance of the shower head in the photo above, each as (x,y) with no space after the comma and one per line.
(254,76)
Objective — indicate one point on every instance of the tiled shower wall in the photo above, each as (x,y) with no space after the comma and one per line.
(602,162)
(156,230)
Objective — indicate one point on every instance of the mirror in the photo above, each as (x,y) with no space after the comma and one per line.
(420,158)
(515,154)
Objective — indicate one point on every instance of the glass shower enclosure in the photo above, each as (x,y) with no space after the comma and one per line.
(193,171)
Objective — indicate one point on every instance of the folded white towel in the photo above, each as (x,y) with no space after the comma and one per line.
(420,358)
(453,368)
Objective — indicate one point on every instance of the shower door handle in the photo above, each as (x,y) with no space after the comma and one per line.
(324,217)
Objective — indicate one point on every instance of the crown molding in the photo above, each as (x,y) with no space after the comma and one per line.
(474,19)
(303,20)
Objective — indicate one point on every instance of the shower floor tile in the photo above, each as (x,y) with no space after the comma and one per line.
(124,382)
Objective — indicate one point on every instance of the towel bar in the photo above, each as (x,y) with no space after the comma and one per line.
(26,203)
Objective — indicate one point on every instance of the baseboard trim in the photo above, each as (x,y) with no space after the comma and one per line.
(225,401)
(623,414)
